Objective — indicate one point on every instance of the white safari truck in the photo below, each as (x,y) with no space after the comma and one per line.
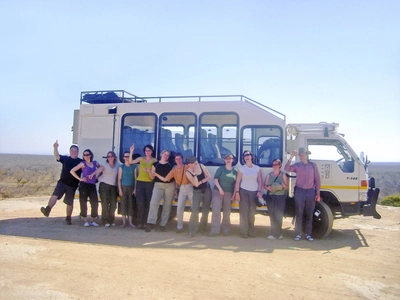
(211,126)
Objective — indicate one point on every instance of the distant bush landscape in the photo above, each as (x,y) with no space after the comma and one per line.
(23,175)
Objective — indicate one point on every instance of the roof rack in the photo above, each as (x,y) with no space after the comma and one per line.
(121,96)
(109,96)
(321,127)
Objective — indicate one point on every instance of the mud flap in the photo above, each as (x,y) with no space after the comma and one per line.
(369,209)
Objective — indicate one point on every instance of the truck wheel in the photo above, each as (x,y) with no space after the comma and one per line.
(322,221)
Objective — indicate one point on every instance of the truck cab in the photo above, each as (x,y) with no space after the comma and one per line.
(345,189)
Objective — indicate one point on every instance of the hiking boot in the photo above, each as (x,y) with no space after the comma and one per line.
(45,211)
(149,227)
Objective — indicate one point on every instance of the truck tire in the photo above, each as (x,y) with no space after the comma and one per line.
(322,220)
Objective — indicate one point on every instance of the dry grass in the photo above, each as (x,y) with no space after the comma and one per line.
(24,175)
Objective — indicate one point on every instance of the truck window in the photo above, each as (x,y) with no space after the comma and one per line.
(137,129)
(265,142)
(217,137)
(175,134)
(334,150)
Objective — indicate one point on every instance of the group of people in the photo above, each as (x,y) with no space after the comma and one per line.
(142,182)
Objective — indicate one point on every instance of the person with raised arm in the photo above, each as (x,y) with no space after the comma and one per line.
(67,184)
(307,192)
(144,183)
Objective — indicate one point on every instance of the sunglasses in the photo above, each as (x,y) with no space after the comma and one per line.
(246,155)
(86,154)
(126,156)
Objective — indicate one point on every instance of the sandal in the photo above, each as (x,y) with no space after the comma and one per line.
(309,238)
(298,237)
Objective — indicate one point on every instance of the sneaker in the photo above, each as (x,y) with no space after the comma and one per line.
(162,228)
(45,211)
(271,237)
(112,224)
(191,235)
(309,238)
(298,237)
(107,225)
(179,230)
(68,220)
(94,224)
(212,234)
(280,237)
(86,224)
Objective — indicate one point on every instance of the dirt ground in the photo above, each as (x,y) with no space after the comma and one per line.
(43,258)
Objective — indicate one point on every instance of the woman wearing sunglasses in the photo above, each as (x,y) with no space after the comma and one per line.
(276,183)
(247,189)
(87,187)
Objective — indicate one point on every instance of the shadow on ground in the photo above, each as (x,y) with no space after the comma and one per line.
(54,228)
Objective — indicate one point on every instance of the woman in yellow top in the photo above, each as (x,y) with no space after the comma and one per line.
(144,183)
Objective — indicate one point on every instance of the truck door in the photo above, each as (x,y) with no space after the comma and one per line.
(339,171)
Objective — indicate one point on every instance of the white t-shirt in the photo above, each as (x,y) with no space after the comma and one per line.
(249,177)
(109,174)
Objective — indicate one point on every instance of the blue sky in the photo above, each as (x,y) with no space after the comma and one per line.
(334,61)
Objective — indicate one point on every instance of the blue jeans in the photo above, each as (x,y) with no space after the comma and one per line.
(304,203)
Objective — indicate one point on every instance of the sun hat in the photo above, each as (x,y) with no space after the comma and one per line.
(303,150)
